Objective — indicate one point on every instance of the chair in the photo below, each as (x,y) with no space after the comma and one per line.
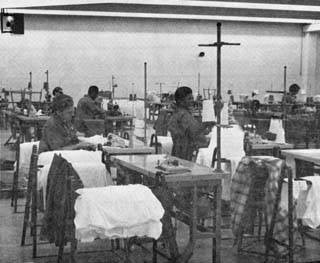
(256,189)
(94,127)
(32,203)
(65,180)
(162,144)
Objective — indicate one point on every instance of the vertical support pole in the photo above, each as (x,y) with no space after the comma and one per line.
(30,93)
(112,86)
(145,103)
(218,96)
(284,96)
(34,203)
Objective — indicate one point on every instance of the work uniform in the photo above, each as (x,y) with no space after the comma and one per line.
(56,134)
(87,109)
(186,132)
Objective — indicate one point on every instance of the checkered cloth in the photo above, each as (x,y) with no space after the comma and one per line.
(257,178)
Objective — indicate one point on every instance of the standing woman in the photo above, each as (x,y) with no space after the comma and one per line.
(186,132)
(59,133)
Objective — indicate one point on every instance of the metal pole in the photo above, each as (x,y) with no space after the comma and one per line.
(199,83)
(112,86)
(218,96)
(30,80)
(284,95)
(218,45)
(145,103)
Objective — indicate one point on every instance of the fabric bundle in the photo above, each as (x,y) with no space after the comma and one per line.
(119,211)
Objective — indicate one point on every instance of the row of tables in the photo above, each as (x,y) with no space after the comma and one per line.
(30,126)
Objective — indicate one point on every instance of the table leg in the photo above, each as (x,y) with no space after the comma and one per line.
(188,251)
(216,241)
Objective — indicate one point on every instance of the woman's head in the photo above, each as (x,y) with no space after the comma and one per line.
(294,89)
(63,106)
(183,96)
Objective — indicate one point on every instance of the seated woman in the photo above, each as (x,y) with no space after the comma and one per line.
(187,133)
(59,133)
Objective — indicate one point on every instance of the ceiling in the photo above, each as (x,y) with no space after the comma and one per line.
(286,11)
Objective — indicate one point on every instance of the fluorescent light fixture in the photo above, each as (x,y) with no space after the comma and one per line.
(236,5)
(166,16)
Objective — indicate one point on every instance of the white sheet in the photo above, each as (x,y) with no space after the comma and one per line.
(117,212)
(307,198)
(311,216)
(71,156)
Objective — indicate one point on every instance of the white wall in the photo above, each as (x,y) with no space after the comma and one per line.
(81,51)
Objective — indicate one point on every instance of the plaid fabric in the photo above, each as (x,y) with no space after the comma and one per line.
(257,178)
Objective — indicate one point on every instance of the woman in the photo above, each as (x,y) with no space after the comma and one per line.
(186,132)
(58,133)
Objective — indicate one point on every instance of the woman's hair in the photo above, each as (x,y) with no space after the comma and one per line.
(57,90)
(62,102)
(181,93)
(294,88)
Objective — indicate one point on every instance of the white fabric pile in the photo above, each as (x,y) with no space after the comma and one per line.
(117,212)
(308,200)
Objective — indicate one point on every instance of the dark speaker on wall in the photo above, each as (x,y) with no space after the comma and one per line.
(12,23)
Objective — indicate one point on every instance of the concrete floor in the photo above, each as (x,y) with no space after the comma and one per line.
(11,229)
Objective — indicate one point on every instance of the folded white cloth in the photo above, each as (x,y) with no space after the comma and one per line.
(71,156)
(117,212)
(25,157)
(96,139)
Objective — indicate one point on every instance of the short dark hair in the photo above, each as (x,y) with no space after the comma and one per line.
(57,89)
(294,88)
(93,90)
(181,93)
